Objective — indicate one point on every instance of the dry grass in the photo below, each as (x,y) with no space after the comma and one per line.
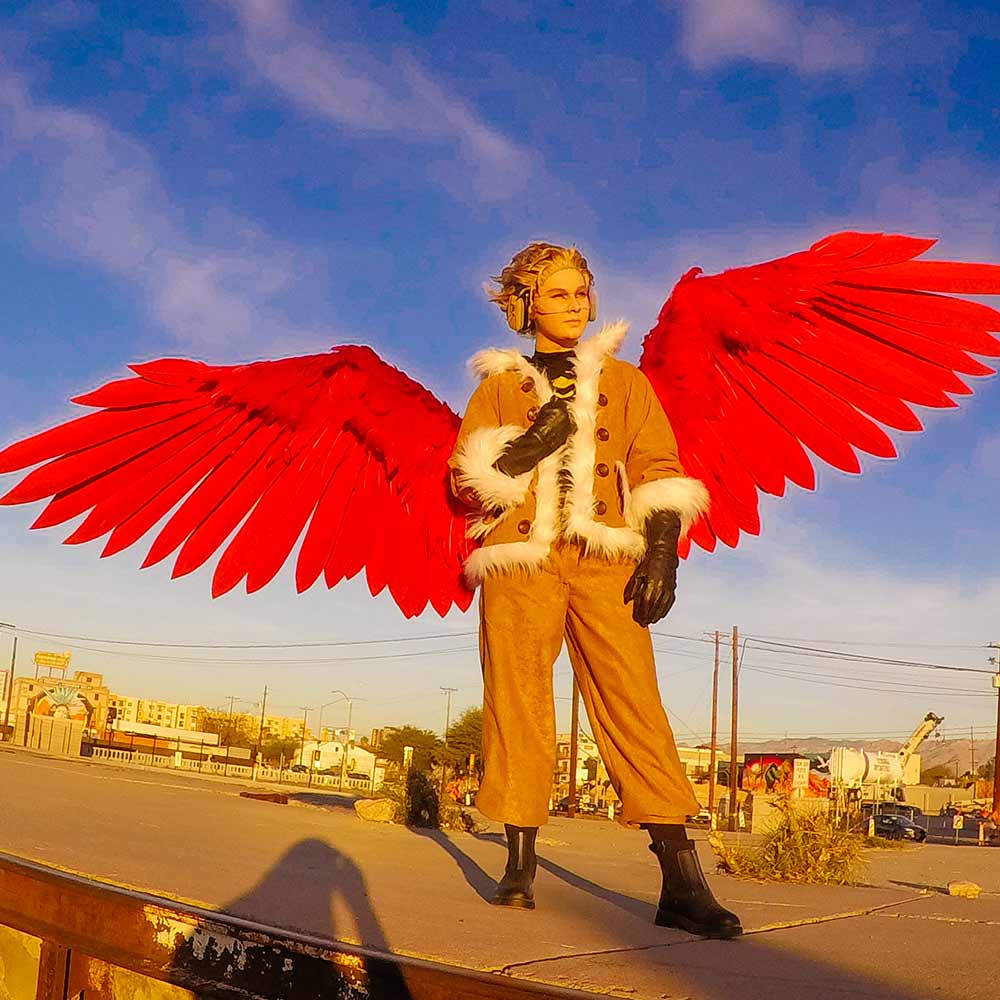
(802,847)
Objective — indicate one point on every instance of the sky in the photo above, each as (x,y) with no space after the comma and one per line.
(241,179)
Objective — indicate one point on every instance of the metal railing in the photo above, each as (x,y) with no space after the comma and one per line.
(273,775)
(64,937)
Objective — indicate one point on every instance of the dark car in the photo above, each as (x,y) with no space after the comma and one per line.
(912,813)
(899,828)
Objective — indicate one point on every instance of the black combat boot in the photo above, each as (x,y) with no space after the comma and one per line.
(515,888)
(686,901)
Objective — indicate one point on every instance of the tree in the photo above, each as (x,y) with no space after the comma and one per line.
(274,748)
(426,746)
(987,770)
(465,737)
(235,731)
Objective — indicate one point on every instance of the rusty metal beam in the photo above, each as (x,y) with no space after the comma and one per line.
(89,930)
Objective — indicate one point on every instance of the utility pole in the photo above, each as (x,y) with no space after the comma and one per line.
(10,680)
(995,810)
(233,698)
(302,745)
(972,755)
(258,753)
(260,731)
(447,725)
(714,758)
(733,769)
(574,748)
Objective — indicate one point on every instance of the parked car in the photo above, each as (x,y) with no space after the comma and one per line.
(899,828)
(701,818)
(912,813)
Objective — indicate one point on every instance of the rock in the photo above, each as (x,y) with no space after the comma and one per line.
(376,810)
(968,890)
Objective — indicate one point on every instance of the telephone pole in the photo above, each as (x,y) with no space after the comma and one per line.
(995,810)
(302,745)
(10,681)
(447,725)
(260,731)
(574,749)
(714,758)
(733,768)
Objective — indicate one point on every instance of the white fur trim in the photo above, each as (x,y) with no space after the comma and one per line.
(577,457)
(474,461)
(597,538)
(686,496)
(529,554)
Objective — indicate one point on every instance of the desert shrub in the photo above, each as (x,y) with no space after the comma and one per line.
(802,846)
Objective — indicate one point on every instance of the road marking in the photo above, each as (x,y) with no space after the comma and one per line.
(129,781)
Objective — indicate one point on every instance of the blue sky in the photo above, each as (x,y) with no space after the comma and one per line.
(240,179)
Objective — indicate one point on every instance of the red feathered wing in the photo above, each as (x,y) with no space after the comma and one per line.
(811,351)
(340,449)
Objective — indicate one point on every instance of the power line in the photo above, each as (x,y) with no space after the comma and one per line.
(257,645)
(318,661)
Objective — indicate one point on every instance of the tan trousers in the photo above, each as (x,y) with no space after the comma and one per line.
(524,619)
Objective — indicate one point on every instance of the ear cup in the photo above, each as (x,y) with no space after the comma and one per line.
(517,313)
(592,295)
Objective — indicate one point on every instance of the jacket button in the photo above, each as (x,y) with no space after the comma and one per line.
(524,527)
(600,507)
(603,434)
(527,385)
(602,400)
(532,413)
(602,470)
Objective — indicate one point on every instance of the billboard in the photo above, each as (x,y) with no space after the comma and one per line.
(785,773)
(56,661)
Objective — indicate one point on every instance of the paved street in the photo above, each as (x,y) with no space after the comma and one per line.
(317,868)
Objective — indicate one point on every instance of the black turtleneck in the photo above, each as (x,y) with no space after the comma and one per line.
(557,366)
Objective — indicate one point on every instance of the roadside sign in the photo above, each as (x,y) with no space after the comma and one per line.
(800,772)
(957,821)
(57,661)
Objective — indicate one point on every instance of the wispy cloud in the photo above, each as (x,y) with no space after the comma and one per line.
(716,32)
(347,85)
(100,198)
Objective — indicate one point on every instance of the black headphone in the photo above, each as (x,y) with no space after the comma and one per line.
(519,307)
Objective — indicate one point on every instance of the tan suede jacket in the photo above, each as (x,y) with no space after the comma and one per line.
(620,465)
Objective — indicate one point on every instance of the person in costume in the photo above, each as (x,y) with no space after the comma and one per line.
(564,493)
(579,500)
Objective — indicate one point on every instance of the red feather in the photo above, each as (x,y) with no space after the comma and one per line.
(815,349)
(340,449)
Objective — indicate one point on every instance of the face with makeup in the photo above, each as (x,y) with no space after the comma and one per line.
(560,310)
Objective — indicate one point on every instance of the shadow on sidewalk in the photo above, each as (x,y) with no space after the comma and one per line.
(481,882)
(636,907)
(758,966)
(300,893)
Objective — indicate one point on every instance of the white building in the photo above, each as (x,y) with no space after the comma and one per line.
(329,754)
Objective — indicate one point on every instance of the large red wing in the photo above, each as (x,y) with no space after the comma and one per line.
(811,351)
(340,447)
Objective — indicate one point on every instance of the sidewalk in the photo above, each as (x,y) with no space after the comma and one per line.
(320,870)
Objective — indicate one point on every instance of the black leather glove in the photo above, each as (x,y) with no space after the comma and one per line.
(550,431)
(653,585)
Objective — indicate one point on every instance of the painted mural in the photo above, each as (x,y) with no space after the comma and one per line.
(62,702)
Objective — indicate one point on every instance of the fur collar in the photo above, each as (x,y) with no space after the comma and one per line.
(604,343)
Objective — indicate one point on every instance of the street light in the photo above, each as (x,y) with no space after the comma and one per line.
(350,712)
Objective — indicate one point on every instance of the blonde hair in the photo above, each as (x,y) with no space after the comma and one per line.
(523,276)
